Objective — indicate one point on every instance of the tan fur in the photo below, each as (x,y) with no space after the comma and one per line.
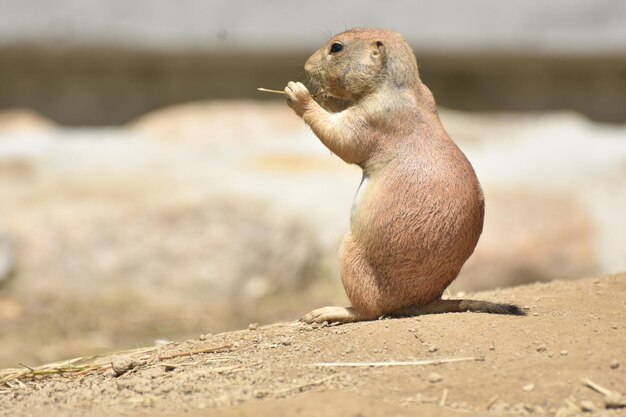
(420,214)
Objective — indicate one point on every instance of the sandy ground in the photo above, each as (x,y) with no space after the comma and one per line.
(529,365)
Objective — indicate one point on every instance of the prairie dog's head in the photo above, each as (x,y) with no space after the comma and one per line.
(354,63)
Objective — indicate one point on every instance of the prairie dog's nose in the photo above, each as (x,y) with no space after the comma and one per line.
(309,65)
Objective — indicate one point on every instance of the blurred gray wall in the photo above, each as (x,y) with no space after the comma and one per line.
(104,62)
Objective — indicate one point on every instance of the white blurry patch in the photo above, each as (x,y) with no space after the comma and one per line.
(565,154)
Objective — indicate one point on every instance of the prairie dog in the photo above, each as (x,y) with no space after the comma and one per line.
(419,210)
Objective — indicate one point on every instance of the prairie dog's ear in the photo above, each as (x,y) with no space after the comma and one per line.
(378,51)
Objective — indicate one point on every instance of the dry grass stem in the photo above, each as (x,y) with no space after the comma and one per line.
(597,387)
(491,402)
(233,368)
(267,90)
(84,365)
(194,352)
(612,399)
(306,385)
(391,363)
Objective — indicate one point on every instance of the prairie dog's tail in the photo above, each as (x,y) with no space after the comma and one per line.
(460,306)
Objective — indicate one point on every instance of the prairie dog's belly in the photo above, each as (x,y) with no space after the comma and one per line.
(393,212)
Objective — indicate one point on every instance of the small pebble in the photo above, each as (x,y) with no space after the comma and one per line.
(499,406)
(529,387)
(541,348)
(614,400)
(614,364)
(563,353)
(169,367)
(123,364)
(148,401)
(259,394)
(518,409)
(253,326)
(535,314)
(434,377)
(564,411)
(433,348)
(587,406)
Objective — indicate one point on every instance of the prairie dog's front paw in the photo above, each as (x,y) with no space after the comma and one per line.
(298,97)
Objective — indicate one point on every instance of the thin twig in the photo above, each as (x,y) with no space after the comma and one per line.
(491,402)
(232,368)
(612,399)
(220,359)
(26,366)
(195,352)
(596,387)
(390,363)
(267,90)
(307,385)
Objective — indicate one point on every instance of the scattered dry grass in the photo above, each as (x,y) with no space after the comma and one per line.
(84,365)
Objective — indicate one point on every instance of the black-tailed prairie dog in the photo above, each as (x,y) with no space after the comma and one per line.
(418,212)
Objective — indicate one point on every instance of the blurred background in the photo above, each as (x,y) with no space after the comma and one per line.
(148,191)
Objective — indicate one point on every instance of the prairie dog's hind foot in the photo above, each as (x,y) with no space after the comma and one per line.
(333,315)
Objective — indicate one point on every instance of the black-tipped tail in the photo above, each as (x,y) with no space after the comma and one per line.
(459,306)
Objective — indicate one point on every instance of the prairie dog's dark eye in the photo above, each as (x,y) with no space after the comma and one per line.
(335,47)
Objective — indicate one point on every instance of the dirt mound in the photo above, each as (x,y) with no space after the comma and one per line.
(15,121)
(215,121)
(475,363)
